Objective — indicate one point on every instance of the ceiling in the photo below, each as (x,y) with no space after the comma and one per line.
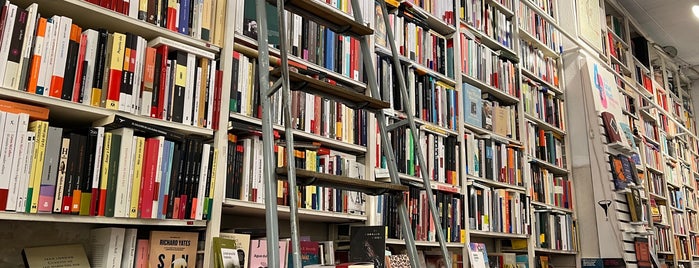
(669,23)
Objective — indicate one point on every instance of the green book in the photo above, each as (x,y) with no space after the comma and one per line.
(113,175)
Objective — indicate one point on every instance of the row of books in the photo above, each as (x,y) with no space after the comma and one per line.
(450,207)
(555,231)
(441,154)
(676,198)
(663,239)
(482,110)
(498,210)
(624,171)
(536,62)
(199,19)
(550,189)
(112,70)
(671,177)
(432,100)
(652,155)
(658,213)
(615,49)
(443,10)
(682,251)
(679,224)
(421,45)
(540,28)
(488,66)
(545,145)
(489,20)
(310,113)
(542,103)
(493,159)
(245,179)
(656,184)
(548,6)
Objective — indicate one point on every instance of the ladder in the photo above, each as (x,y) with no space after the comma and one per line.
(340,23)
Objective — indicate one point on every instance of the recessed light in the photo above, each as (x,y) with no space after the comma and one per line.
(695,10)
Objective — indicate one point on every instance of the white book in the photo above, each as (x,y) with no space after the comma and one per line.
(128,255)
(126,99)
(26,171)
(197,97)
(309,112)
(247,162)
(210,94)
(132,167)
(61,51)
(106,247)
(8,150)
(61,179)
(123,191)
(158,178)
(189,90)
(138,76)
(5,38)
(133,8)
(203,172)
(168,90)
(47,59)
(28,39)
(98,161)
(89,65)
(19,159)
(243,78)
(197,18)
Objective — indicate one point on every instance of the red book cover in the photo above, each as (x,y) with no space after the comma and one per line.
(105,3)
(171,17)
(176,209)
(118,5)
(156,111)
(183,206)
(77,84)
(150,162)
(217,99)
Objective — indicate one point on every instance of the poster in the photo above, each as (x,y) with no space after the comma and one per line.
(589,22)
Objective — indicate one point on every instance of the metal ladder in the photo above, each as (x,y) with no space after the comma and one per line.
(283,83)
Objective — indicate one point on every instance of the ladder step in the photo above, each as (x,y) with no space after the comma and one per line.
(307,177)
(326,15)
(345,95)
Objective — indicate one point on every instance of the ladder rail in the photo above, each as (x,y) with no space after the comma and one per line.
(413,129)
(271,213)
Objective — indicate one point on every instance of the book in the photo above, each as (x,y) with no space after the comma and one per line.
(173,249)
(106,247)
(478,255)
(611,127)
(367,244)
(635,205)
(45,257)
(473,105)
(642,250)
(242,246)
(398,261)
(620,179)
(225,253)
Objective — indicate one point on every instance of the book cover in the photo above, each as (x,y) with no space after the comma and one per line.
(398,261)
(487,115)
(473,105)
(611,127)
(478,255)
(225,253)
(242,247)
(258,253)
(627,168)
(635,205)
(367,244)
(620,180)
(46,257)
(173,249)
(642,252)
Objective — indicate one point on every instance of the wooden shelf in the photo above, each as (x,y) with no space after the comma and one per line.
(543,124)
(10,216)
(422,124)
(554,251)
(538,79)
(247,208)
(331,17)
(434,23)
(505,10)
(345,95)
(493,135)
(419,68)
(88,15)
(490,42)
(496,184)
(552,207)
(324,141)
(537,43)
(393,241)
(78,114)
(556,170)
(435,185)
(488,234)
(485,88)
(306,177)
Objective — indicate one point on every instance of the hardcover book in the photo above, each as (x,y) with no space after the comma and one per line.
(478,255)
(173,249)
(635,205)
(242,247)
(55,256)
(611,127)
(367,244)
(487,115)
(628,168)
(473,105)
(620,180)
(642,252)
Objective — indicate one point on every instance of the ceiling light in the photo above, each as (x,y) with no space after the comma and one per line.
(695,10)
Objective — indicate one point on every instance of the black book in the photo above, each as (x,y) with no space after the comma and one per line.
(71,63)
(88,170)
(207,191)
(368,244)
(180,83)
(174,180)
(100,61)
(195,178)
(126,87)
(16,42)
(71,172)
(620,179)
(157,75)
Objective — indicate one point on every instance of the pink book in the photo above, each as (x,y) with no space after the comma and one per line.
(142,249)
(258,253)
(150,162)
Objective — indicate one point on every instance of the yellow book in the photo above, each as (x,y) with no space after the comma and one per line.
(207,15)
(142,10)
(116,65)
(106,153)
(220,18)
(137,173)
(251,88)
(41,129)
(202,92)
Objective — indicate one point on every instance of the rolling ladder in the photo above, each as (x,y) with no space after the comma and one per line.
(340,23)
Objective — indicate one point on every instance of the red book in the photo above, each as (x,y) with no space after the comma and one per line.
(171,17)
(217,99)
(118,5)
(156,111)
(150,162)
(77,84)
(176,209)
(116,65)
(106,4)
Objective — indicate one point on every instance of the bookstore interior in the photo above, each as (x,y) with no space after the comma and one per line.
(349,133)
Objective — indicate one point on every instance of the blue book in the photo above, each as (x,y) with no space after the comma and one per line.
(329,48)
(183,26)
(473,105)
(165,169)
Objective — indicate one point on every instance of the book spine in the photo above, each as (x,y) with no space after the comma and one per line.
(19,156)
(137,177)
(104,175)
(116,63)
(50,169)
(16,40)
(60,181)
(60,56)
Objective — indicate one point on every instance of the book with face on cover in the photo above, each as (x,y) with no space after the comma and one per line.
(367,244)
(173,249)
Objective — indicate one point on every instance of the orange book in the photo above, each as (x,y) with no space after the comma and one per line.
(36,57)
(34,112)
